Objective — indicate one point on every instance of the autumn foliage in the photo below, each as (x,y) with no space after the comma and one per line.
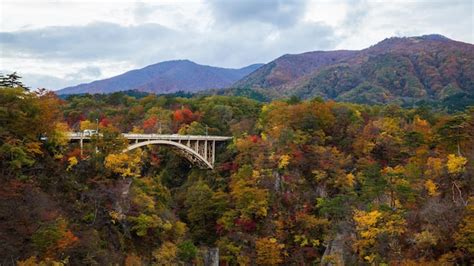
(301,183)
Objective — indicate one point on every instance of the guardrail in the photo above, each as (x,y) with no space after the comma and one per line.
(133,136)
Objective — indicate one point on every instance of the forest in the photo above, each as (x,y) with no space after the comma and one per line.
(309,182)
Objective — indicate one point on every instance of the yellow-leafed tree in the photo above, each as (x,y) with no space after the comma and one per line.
(269,251)
(124,164)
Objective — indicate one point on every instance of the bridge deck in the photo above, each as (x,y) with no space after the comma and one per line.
(199,150)
(172,137)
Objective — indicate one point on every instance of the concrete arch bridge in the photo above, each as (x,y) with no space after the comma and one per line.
(197,149)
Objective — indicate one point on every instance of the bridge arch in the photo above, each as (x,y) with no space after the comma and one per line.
(187,152)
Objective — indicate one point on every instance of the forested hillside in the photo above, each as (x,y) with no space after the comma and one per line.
(396,70)
(301,183)
(166,77)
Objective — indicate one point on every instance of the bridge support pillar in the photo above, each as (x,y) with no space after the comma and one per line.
(81,143)
(213,151)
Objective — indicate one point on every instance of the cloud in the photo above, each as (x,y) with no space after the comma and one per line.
(102,45)
(35,81)
(142,11)
(368,22)
(356,14)
(90,72)
(99,40)
(282,13)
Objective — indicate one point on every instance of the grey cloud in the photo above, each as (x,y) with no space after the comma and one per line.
(90,72)
(142,11)
(93,41)
(454,19)
(314,36)
(235,46)
(358,11)
(239,46)
(35,81)
(281,13)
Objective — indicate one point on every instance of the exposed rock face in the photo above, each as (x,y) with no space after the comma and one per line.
(334,253)
(211,257)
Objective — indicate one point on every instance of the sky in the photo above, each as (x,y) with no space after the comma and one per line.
(55,44)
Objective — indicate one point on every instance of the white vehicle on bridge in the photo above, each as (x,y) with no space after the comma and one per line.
(89,132)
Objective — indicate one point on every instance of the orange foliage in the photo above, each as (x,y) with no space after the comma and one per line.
(133,260)
(67,240)
(104,122)
(184,116)
(150,122)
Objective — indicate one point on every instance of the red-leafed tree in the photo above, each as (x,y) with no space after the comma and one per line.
(104,122)
(149,125)
(184,116)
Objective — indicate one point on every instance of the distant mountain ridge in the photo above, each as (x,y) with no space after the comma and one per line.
(428,68)
(166,77)
(397,69)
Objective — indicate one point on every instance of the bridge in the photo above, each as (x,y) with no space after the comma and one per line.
(197,149)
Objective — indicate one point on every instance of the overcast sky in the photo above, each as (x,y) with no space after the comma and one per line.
(55,44)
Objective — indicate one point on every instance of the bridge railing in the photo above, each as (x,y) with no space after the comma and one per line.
(135,136)
(174,136)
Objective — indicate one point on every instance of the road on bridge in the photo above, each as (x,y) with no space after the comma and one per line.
(198,149)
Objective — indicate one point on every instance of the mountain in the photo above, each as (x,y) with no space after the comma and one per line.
(166,77)
(404,70)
